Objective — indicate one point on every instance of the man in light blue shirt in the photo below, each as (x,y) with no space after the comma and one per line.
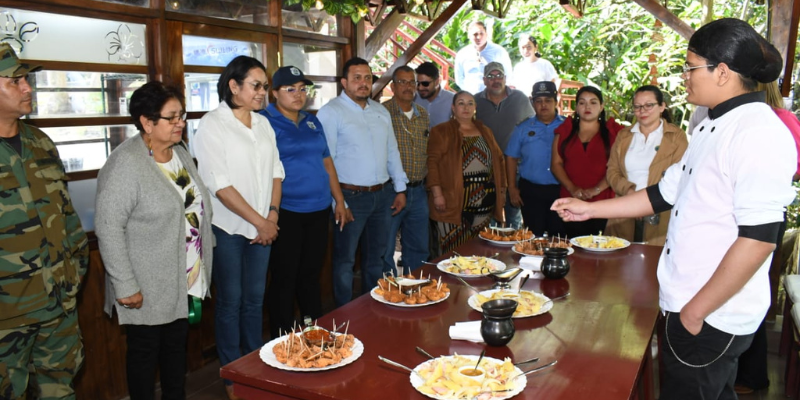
(530,148)
(430,95)
(364,150)
(472,59)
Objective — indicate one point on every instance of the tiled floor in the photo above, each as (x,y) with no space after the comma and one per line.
(205,384)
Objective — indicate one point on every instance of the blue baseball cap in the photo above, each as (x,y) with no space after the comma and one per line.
(289,75)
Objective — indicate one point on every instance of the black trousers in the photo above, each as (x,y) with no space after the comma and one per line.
(712,355)
(295,266)
(583,228)
(536,212)
(159,348)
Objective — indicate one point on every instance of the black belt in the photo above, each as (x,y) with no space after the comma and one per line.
(373,188)
(415,183)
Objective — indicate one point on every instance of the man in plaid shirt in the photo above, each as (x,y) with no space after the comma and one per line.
(411,127)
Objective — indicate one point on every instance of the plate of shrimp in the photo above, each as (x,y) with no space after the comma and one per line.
(419,293)
(292,352)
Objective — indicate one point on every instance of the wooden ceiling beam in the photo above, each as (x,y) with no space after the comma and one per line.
(415,48)
(667,17)
(382,33)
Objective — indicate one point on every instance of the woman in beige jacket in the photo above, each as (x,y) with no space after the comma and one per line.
(466,176)
(639,158)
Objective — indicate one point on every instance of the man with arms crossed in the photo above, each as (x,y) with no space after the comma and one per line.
(727,196)
(473,58)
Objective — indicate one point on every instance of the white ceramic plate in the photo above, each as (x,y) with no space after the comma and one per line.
(499,242)
(496,265)
(521,382)
(570,250)
(380,299)
(473,301)
(269,357)
(574,242)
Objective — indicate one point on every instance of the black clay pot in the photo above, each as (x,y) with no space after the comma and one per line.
(555,264)
(497,327)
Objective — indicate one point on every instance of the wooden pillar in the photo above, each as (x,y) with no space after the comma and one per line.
(784,16)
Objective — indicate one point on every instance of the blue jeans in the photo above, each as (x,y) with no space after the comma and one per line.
(372,215)
(414,237)
(240,275)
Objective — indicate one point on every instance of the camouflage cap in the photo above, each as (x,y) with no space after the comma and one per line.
(10,67)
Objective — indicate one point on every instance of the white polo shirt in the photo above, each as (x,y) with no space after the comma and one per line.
(736,172)
(231,154)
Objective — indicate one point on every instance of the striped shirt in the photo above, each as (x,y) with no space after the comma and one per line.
(412,138)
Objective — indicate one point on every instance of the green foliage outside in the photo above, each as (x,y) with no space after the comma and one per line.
(609,47)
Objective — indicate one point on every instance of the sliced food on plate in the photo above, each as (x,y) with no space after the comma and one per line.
(529,303)
(600,242)
(471,266)
(455,378)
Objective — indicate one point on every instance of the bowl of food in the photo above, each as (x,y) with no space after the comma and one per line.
(316,336)
(470,372)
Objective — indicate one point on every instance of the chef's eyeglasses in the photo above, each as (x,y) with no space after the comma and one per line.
(175,119)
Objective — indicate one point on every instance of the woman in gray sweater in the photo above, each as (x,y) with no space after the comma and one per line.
(153,226)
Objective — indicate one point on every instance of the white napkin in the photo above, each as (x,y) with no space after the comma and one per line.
(470,330)
(531,263)
(531,267)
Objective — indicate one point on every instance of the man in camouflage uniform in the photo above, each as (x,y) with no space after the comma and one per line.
(43,250)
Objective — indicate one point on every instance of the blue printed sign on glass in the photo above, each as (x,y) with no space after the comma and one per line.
(215,52)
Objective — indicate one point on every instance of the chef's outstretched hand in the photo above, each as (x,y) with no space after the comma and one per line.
(571,209)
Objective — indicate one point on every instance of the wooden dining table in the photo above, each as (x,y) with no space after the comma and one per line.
(600,334)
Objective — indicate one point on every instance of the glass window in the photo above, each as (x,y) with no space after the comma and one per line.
(87,147)
(322,93)
(250,11)
(201,91)
(43,36)
(212,52)
(191,130)
(313,60)
(313,20)
(78,93)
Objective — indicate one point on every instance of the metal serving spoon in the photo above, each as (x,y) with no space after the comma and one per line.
(397,364)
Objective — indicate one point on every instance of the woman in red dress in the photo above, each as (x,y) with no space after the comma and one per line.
(580,155)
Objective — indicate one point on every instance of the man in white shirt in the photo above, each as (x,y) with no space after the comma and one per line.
(473,58)
(364,150)
(727,196)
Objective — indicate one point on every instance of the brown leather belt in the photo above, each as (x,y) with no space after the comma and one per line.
(373,188)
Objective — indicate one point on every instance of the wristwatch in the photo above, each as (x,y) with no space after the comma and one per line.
(276,209)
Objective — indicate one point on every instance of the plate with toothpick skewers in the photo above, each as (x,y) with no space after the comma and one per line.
(535,247)
(406,291)
(313,349)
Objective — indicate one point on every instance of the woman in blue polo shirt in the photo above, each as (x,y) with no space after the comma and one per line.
(310,184)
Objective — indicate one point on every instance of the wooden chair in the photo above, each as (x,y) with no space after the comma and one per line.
(566,101)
